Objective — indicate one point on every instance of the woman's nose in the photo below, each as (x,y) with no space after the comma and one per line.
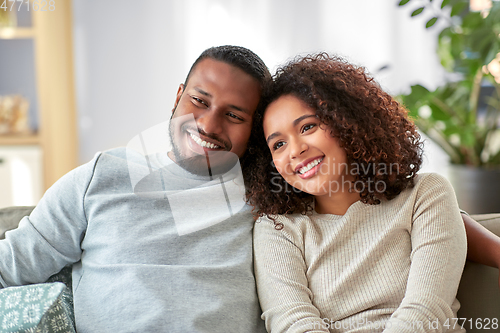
(297,148)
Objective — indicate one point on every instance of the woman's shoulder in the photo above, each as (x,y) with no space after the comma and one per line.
(430,188)
(432,180)
(291,226)
(287,220)
(427,187)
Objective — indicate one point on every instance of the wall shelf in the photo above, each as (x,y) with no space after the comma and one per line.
(16,33)
(52,54)
(14,140)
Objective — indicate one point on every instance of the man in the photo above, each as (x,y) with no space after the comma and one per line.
(144,259)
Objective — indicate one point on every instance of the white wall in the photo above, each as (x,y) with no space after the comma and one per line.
(130,56)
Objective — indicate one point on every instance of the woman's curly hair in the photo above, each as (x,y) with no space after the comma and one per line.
(372,128)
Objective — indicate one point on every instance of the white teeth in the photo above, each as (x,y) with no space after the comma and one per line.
(203,143)
(310,165)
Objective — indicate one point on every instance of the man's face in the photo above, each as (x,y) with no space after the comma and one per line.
(213,116)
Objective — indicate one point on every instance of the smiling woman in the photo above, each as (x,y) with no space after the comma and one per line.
(350,238)
(305,154)
(381,145)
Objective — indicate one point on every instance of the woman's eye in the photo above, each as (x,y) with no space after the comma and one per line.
(307,127)
(278,145)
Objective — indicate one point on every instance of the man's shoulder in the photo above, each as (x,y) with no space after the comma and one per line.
(118,160)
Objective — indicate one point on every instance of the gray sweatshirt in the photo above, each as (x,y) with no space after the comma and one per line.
(169,252)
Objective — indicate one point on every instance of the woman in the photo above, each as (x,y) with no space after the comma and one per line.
(351,239)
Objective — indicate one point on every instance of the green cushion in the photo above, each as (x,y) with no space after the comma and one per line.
(36,308)
(46,307)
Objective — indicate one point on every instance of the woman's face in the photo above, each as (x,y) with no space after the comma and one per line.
(303,151)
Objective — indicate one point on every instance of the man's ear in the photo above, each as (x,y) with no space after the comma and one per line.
(179,94)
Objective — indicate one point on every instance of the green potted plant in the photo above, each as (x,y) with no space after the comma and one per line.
(463,115)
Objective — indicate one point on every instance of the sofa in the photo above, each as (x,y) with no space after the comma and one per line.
(478,293)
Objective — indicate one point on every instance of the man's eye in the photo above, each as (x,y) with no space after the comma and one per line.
(307,127)
(198,100)
(232,115)
(278,145)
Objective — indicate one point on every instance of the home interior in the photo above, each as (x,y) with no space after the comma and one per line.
(96,77)
(85,76)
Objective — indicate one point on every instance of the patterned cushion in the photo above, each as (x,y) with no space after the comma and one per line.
(40,308)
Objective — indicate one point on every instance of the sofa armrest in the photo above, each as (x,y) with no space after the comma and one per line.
(10,217)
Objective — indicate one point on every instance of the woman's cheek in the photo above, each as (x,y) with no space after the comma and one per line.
(283,167)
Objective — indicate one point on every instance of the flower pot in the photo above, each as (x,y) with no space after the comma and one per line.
(477,189)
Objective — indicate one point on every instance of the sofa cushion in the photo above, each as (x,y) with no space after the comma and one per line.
(35,308)
(42,308)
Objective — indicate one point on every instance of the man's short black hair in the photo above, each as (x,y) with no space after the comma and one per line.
(238,57)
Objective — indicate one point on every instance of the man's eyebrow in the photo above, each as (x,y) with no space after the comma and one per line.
(237,108)
(201,91)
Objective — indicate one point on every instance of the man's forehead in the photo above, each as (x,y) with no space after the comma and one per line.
(216,70)
(213,78)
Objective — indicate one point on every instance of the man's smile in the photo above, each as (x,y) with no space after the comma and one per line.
(203,143)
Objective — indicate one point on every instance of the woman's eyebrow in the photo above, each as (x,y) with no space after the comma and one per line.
(294,123)
(299,119)
(272,136)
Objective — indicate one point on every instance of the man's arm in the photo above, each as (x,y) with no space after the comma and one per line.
(483,246)
(50,237)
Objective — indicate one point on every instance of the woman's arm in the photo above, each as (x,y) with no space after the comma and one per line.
(438,253)
(282,285)
(483,246)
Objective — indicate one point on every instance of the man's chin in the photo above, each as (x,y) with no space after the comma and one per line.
(211,164)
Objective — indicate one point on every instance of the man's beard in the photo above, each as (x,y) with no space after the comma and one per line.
(203,165)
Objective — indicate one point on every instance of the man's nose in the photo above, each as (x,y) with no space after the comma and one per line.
(209,121)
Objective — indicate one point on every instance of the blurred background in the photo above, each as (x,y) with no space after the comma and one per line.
(96,73)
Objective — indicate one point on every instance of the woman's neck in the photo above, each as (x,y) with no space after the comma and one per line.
(335,203)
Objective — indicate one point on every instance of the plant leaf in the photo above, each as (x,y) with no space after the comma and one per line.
(403,2)
(444,3)
(417,11)
(431,22)
(458,8)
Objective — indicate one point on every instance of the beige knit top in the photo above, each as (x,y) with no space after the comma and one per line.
(392,267)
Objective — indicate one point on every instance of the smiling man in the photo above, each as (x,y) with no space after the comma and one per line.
(222,98)
(171,250)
